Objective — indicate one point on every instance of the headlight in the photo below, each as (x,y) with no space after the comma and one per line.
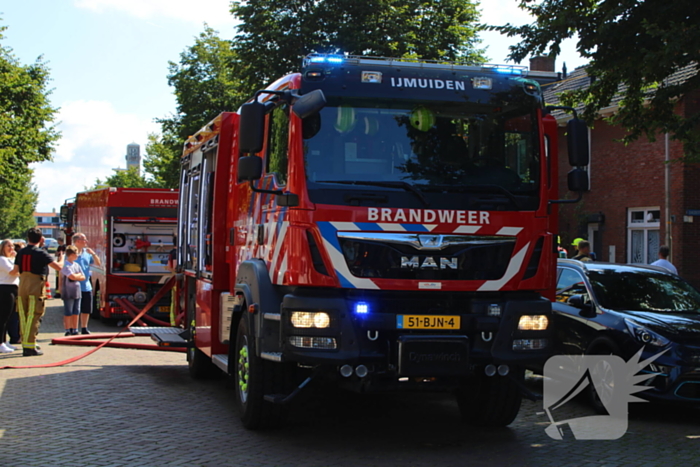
(644,335)
(533,323)
(309,319)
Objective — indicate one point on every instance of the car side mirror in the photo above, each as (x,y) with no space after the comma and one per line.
(587,309)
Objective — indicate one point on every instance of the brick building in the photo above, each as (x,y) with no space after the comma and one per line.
(48,222)
(625,215)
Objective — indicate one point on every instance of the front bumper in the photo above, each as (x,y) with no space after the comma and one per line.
(374,340)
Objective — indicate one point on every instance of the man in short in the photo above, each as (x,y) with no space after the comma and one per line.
(86,257)
(32,264)
(663,261)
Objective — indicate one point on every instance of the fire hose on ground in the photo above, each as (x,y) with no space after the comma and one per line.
(89,340)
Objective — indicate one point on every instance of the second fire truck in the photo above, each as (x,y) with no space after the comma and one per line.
(132,230)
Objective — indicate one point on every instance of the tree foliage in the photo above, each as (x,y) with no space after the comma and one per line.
(128,178)
(274,35)
(216,75)
(27,135)
(633,47)
(205,82)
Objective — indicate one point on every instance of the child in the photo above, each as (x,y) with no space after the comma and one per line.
(71,275)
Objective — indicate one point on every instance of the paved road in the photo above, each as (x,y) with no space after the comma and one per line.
(122,407)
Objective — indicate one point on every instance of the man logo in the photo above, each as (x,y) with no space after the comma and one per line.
(428,262)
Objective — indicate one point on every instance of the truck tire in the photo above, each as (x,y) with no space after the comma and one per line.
(201,366)
(489,401)
(253,379)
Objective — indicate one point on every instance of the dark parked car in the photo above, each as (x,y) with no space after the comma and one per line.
(604,308)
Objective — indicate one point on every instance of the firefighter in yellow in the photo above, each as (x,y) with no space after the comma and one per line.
(32,264)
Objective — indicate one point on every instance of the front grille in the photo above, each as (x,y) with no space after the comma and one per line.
(481,260)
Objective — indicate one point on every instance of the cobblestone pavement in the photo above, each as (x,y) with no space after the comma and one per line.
(121,407)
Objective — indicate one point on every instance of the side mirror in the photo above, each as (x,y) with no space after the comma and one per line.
(587,310)
(577,180)
(252,127)
(309,104)
(64,214)
(577,141)
(249,168)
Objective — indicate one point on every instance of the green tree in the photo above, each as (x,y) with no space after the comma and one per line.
(27,135)
(129,178)
(162,160)
(17,209)
(205,83)
(633,47)
(274,35)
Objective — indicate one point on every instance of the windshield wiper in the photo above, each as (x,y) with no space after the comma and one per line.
(403,185)
(478,188)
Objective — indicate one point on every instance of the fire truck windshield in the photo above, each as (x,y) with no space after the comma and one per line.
(447,151)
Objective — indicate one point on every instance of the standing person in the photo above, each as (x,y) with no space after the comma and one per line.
(71,275)
(8,291)
(86,257)
(584,251)
(663,261)
(32,264)
(60,253)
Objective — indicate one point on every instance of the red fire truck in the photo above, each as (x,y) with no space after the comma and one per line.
(388,225)
(132,230)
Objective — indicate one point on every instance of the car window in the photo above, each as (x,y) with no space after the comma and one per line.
(643,290)
(570,283)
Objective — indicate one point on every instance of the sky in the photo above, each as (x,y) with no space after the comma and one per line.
(108,62)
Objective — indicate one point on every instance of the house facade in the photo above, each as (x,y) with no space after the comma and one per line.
(49,223)
(641,196)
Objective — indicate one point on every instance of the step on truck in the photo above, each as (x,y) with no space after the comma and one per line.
(382,224)
(132,231)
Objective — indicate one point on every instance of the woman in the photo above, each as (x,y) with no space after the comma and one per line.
(8,290)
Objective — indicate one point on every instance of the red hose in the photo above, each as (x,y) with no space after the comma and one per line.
(132,310)
(87,339)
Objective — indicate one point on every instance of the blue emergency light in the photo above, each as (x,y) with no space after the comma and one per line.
(361,308)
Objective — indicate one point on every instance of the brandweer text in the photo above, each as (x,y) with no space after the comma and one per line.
(422,216)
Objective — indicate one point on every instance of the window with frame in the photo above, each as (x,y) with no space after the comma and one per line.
(643,234)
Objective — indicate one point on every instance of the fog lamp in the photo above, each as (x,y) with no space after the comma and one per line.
(310,342)
(533,323)
(529,344)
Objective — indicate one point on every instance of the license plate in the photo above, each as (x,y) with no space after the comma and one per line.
(427,322)
(164,309)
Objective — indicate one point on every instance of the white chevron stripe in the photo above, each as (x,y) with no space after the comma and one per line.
(509,231)
(392,227)
(283,269)
(341,267)
(345,226)
(467,229)
(278,246)
(513,267)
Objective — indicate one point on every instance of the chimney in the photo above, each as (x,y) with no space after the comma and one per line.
(542,63)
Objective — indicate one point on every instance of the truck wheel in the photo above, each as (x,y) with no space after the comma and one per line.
(489,401)
(200,365)
(253,378)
